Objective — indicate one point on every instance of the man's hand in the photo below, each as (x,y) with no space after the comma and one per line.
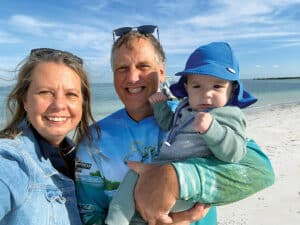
(187,217)
(156,191)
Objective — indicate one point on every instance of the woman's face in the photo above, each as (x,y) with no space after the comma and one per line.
(54,101)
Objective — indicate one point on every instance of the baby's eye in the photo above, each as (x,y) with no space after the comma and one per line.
(217,86)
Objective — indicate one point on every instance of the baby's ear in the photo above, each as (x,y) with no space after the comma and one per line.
(185,85)
(235,85)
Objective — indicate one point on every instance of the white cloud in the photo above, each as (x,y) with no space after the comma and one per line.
(6,38)
(30,24)
(9,63)
(172,7)
(252,27)
(289,43)
(231,13)
(65,34)
(28,21)
(82,38)
(232,21)
(96,6)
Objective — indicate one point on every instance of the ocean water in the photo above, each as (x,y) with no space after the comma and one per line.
(268,92)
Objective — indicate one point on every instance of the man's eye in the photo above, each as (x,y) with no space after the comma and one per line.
(122,69)
(144,66)
(196,86)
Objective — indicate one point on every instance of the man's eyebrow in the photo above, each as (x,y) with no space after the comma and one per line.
(118,65)
(143,62)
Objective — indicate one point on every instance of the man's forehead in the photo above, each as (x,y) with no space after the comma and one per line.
(136,44)
(135,54)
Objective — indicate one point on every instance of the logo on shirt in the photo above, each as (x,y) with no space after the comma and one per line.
(83,165)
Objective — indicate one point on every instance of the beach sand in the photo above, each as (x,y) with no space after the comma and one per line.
(277,130)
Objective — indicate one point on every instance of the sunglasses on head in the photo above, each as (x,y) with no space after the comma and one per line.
(41,52)
(145,29)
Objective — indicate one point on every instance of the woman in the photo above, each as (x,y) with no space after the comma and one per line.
(50,99)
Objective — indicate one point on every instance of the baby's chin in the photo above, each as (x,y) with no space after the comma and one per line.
(203,108)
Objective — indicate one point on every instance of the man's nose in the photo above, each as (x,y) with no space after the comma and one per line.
(133,75)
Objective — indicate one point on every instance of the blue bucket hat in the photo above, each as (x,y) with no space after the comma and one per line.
(215,59)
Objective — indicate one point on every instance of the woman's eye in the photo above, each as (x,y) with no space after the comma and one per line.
(72,94)
(45,92)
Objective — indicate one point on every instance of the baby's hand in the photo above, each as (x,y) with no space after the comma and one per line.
(157,97)
(202,122)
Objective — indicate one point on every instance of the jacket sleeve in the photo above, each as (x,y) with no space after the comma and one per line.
(218,183)
(163,115)
(13,175)
(226,137)
(5,205)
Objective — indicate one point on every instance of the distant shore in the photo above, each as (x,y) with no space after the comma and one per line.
(276,78)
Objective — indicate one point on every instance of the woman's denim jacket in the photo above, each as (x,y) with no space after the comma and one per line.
(32,191)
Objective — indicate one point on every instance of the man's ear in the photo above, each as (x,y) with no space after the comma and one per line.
(162,74)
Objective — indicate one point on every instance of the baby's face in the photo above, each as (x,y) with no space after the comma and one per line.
(206,92)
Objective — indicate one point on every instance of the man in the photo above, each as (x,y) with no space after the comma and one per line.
(132,134)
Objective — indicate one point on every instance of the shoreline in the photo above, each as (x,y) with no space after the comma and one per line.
(275,78)
(270,106)
(276,128)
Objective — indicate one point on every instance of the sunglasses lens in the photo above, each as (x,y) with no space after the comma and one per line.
(146,29)
(40,52)
(121,31)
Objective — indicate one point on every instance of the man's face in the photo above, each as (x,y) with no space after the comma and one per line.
(137,75)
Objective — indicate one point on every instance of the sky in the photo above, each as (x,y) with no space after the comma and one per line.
(265,34)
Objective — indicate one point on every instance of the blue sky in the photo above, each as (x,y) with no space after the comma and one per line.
(265,34)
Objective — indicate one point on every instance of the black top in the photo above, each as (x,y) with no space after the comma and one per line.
(62,157)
